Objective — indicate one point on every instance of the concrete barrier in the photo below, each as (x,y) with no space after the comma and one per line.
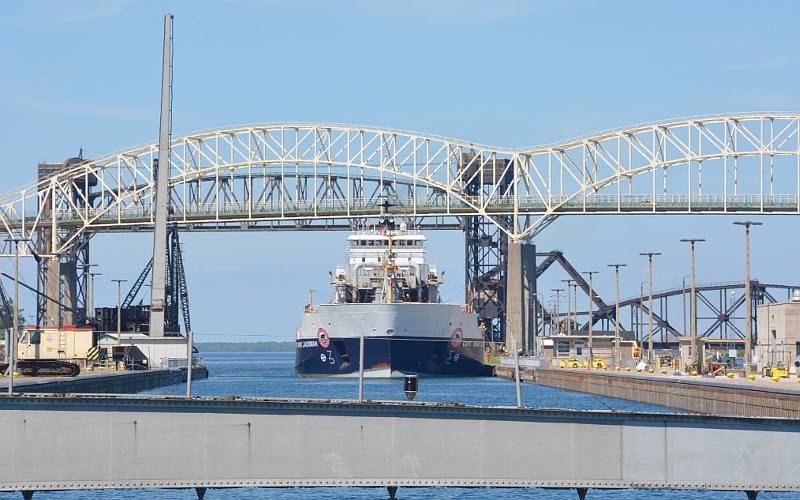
(696,395)
(123,382)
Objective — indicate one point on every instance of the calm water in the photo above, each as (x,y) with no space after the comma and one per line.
(270,374)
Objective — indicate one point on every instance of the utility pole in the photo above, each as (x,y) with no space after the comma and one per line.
(695,355)
(569,306)
(748,314)
(616,315)
(119,308)
(650,256)
(591,315)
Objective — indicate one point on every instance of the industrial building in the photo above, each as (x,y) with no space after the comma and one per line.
(558,348)
(778,334)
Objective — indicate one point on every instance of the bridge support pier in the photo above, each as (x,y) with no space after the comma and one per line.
(201,493)
(519,296)
(582,493)
(392,492)
(751,494)
(27,494)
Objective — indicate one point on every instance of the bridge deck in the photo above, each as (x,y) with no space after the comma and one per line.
(88,442)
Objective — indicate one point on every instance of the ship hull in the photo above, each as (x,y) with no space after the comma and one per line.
(399,339)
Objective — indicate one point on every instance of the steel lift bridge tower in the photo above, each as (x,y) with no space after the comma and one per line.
(306,177)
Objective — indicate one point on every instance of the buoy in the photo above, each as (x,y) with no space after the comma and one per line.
(693,373)
(751,378)
(663,372)
(729,375)
(627,368)
(651,371)
(776,378)
(616,369)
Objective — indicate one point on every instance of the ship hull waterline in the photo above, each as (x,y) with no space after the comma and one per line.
(399,339)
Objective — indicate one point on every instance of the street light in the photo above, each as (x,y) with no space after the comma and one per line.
(748,319)
(119,308)
(650,256)
(616,315)
(683,297)
(569,306)
(12,341)
(591,316)
(90,314)
(695,355)
(87,278)
(557,308)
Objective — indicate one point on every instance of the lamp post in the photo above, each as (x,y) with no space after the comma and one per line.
(540,304)
(683,297)
(748,315)
(557,308)
(650,256)
(12,340)
(695,355)
(591,316)
(87,278)
(90,314)
(616,315)
(119,308)
(569,306)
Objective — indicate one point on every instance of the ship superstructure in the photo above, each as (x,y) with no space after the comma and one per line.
(388,294)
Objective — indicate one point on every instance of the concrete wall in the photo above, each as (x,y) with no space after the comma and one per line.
(118,442)
(693,396)
(112,383)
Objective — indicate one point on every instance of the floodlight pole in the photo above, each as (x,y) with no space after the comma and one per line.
(748,315)
(650,256)
(616,316)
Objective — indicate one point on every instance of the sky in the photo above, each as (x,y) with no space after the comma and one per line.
(86,74)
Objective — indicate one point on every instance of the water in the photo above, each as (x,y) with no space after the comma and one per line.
(270,374)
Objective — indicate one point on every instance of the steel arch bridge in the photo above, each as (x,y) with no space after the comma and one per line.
(315,176)
(333,177)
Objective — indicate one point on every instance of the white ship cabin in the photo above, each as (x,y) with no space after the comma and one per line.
(386,265)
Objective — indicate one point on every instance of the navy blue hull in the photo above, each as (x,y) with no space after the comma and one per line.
(395,356)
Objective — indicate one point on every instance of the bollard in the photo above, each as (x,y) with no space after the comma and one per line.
(410,386)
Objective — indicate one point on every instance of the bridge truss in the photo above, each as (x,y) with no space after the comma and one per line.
(332,177)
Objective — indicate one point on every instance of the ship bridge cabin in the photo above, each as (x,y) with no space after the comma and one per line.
(386,265)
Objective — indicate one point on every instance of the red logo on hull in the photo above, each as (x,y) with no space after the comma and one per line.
(323,338)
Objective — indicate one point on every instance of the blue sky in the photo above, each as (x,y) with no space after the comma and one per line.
(511,73)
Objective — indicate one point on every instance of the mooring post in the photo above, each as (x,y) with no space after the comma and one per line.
(582,493)
(201,493)
(392,492)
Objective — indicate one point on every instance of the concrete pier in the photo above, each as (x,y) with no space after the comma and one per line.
(713,396)
(105,382)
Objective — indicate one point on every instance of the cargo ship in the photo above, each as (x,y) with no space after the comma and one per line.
(389,295)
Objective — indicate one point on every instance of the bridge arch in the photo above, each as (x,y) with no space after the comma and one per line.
(311,176)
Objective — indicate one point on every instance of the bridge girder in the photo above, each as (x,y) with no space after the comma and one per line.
(306,173)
